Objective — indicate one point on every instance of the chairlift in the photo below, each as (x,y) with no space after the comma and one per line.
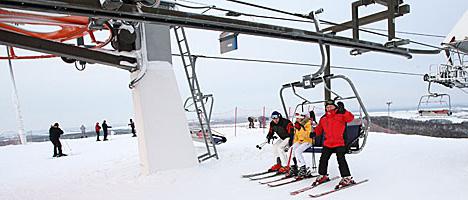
(189,106)
(434,104)
(452,74)
(356,132)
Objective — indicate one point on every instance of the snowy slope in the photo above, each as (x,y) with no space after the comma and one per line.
(398,166)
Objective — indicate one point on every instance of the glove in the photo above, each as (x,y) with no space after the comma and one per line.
(269,137)
(286,148)
(341,108)
(312,134)
(297,126)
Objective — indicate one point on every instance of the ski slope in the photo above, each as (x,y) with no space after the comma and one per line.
(398,166)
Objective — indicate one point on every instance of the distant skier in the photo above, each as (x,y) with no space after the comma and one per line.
(98,130)
(333,125)
(251,122)
(284,129)
(302,141)
(83,131)
(132,126)
(262,121)
(54,136)
(105,128)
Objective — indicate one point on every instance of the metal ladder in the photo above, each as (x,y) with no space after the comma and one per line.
(189,65)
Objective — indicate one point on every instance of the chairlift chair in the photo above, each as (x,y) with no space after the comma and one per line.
(356,132)
(434,104)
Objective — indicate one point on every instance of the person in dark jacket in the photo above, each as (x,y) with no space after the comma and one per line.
(333,125)
(132,126)
(54,136)
(98,130)
(105,128)
(251,122)
(285,131)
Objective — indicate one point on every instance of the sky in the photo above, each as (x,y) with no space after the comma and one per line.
(53,91)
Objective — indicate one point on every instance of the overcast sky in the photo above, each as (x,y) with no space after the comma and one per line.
(52,91)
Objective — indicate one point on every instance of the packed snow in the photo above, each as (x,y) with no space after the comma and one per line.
(398,166)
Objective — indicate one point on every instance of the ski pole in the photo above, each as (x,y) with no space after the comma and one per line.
(259,146)
(290,156)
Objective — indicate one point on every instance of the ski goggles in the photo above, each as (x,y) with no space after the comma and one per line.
(275,116)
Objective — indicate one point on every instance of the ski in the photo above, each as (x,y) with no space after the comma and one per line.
(255,174)
(291,181)
(336,190)
(312,186)
(264,177)
(276,180)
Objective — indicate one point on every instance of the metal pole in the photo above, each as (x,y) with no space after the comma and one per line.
(19,116)
(327,72)
(263,120)
(388,114)
(235,121)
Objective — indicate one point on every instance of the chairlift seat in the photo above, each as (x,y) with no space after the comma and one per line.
(351,136)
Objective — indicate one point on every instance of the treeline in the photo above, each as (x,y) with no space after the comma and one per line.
(432,128)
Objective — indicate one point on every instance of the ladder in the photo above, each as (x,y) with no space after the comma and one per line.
(189,66)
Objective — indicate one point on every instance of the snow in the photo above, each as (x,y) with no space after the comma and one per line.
(398,166)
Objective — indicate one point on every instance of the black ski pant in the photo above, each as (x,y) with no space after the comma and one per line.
(340,156)
(57,146)
(105,134)
(97,133)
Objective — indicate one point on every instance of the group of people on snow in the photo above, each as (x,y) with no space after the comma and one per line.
(299,136)
(55,132)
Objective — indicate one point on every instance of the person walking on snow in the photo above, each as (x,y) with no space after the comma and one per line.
(251,122)
(284,129)
(302,141)
(132,126)
(333,125)
(54,136)
(105,128)
(98,129)
(83,131)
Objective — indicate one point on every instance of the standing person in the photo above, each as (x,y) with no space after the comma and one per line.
(105,129)
(284,129)
(333,125)
(54,136)
(251,122)
(302,141)
(98,129)
(132,126)
(83,131)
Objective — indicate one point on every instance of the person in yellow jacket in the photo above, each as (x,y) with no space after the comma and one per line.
(302,141)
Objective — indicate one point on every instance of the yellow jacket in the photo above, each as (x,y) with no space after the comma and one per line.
(302,135)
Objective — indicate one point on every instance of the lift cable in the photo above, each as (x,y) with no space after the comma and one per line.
(296,20)
(303,64)
(327,22)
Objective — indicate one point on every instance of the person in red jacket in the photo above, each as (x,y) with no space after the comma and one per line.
(98,129)
(333,125)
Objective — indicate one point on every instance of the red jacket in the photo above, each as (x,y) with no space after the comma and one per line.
(334,126)
(98,128)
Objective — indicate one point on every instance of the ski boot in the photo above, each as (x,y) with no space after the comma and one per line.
(275,167)
(292,171)
(345,181)
(304,172)
(320,179)
(61,155)
(283,170)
